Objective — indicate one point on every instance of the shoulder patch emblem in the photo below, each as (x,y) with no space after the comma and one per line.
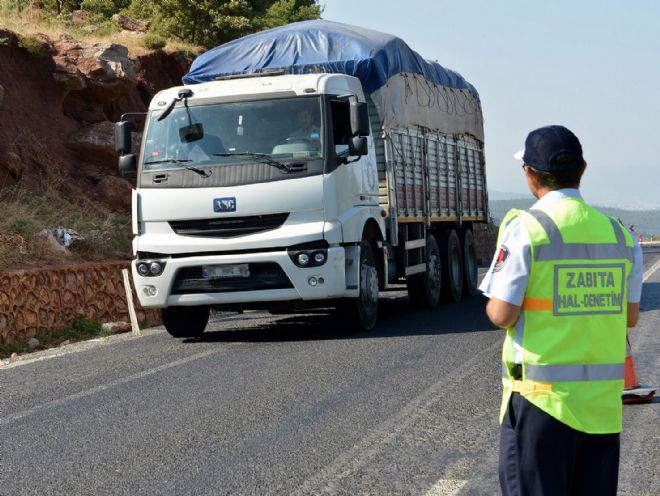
(502,257)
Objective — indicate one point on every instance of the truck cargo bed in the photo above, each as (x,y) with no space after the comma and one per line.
(427,176)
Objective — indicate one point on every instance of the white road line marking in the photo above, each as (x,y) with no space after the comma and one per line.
(89,392)
(349,462)
(445,487)
(650,272)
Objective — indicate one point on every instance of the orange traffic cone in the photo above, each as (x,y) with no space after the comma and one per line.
(633,391)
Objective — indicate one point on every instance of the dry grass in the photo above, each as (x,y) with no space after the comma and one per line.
(31,22)
(26,214)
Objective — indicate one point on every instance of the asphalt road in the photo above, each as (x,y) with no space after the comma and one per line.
(287,405)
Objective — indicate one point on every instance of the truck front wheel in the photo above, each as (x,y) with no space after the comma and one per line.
(185,322)
(363,310)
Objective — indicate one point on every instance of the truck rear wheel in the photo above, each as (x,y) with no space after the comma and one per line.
(363,310)
(470,272)
(185,322)
(424,288)
(452,266)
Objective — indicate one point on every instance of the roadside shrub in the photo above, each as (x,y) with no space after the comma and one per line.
(153,41)
(31,45)
(105,28)
(80,329)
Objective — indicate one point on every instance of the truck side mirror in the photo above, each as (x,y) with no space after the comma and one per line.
(358,146)
(359,119)
(123,139)
(127,164)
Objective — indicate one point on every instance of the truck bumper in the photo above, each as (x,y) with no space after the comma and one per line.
(326,281)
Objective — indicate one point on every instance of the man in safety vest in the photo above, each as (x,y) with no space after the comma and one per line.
(565,283)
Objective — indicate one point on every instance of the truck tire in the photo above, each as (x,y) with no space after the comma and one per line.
(424,289)
(185,322)
(452,266)
(363,310)
(470,272)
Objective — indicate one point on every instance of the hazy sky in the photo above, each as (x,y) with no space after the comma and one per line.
(591,65)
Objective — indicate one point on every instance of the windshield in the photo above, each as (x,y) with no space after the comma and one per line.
(283,129)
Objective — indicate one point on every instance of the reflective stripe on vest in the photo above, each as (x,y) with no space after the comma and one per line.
(573,373)
(558,250)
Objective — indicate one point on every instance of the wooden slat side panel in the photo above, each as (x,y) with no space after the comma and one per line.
(473,190)
(456,184)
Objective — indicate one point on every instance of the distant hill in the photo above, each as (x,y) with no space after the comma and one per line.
(646,222)
(493,194)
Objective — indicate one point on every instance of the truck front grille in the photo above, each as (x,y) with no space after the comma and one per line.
(228,227)
(263,275)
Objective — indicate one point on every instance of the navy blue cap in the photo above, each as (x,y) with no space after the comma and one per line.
(553,149)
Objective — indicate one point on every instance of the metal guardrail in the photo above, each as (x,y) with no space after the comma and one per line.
(650,247)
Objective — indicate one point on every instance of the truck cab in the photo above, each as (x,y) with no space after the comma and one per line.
(251,192)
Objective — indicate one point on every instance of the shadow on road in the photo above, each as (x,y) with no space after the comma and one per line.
(396,318)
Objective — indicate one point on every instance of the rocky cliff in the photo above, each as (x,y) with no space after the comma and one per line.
(58,102)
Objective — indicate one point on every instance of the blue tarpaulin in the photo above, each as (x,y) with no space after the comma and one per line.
(322,46)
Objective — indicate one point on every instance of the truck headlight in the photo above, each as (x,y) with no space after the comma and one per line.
(150,268)
(308,258)
(156,268)
(310,254)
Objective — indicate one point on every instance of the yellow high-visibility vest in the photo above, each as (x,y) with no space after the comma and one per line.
(572,327)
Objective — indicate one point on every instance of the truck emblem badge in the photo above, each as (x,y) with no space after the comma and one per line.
(224,205)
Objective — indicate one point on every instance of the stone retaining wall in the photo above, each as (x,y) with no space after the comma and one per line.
(51,297)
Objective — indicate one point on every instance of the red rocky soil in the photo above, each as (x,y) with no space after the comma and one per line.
(57,112)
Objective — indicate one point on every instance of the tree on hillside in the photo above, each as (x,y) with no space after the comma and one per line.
(203,22)
(212,22)
(285,11)
(100,9)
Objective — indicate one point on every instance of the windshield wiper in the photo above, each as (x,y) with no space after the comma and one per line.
(202,173)
(261,157)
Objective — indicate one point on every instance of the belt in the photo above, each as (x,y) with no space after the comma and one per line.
(527,386)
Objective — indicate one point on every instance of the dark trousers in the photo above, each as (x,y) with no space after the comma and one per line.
(540,456)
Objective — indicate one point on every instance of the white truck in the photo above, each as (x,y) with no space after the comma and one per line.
(312,165)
